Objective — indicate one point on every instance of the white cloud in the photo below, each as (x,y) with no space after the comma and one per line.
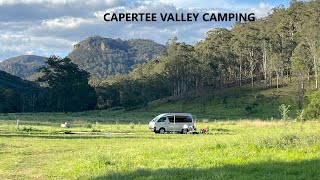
(55,2)
(25,44)
(66,22)
(261,10)
(46,27)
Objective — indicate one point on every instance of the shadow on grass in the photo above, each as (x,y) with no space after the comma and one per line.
(76,136)
(268,170)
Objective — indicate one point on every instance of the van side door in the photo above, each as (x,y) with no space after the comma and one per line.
(171,123)
(162,123)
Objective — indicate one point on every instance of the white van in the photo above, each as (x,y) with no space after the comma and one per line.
(172,122)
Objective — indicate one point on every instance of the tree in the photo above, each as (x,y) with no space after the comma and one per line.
(276,66)
(301,62)
(310,32)
(68,86)
(312,109)
(247,46)
(281,41)
(10,101)
(284,110)
(178,67)
(221,59)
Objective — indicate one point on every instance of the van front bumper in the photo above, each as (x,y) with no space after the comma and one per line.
(152,129)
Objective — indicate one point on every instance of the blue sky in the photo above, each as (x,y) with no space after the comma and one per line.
(47,27)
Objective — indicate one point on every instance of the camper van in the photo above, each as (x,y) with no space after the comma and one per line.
(172,122)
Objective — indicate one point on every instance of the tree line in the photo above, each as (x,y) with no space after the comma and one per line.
(62,87)
(274,49)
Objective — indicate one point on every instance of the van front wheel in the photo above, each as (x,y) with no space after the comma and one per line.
(162,131)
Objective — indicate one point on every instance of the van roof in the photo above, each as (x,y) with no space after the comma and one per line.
(177,114)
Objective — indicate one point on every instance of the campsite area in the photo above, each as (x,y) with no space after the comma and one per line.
(241,149)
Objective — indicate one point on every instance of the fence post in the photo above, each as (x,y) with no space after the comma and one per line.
(17,123)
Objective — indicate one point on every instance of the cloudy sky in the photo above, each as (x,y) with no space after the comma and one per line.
(46,27)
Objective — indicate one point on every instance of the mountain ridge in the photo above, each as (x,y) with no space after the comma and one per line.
(23,65)
(99,56)
(103,57)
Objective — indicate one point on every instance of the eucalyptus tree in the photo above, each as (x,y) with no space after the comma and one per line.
(178,67)
(219,55)
(264,44)
(276,66)
(247,46)
(310,32)
(301,62)
(280,42)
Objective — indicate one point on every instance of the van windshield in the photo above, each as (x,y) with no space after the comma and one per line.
(162,119)
(156,118)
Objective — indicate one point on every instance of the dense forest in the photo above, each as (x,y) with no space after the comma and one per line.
(63,87)
(18,95)
(275,50)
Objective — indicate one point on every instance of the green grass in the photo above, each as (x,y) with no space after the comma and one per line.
(231,103)
(252,145)
(233,149)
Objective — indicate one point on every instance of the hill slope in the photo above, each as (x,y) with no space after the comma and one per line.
(105,56)
(17,95)
(232,104)
(22,66)
(245,102)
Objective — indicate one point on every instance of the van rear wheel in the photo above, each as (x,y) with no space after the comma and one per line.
(162,131)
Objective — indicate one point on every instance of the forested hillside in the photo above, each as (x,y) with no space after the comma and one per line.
(102,57)
(271,50)
(22,66)
(65,88)
(18,95)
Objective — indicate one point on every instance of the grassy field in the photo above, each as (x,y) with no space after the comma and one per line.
(240,149)
(243,143)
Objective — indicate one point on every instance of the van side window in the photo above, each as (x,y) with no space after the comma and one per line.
(162,119)
(171,119)
(180,119)
(188,119)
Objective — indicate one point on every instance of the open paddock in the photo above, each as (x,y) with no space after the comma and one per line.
(240,149)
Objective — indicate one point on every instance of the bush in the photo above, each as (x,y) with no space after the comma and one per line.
(251,108)
(88,125)
(284,110)
(312,108)
(132,125)
(27,129)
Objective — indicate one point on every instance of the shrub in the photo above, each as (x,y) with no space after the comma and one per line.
(27,129)
(88,125)
(284,110)
(312,109)
(95,130)
(205,120)
(132,125)
(225,101)
(251,108)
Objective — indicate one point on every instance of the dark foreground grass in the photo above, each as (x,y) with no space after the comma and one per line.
(265,170)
